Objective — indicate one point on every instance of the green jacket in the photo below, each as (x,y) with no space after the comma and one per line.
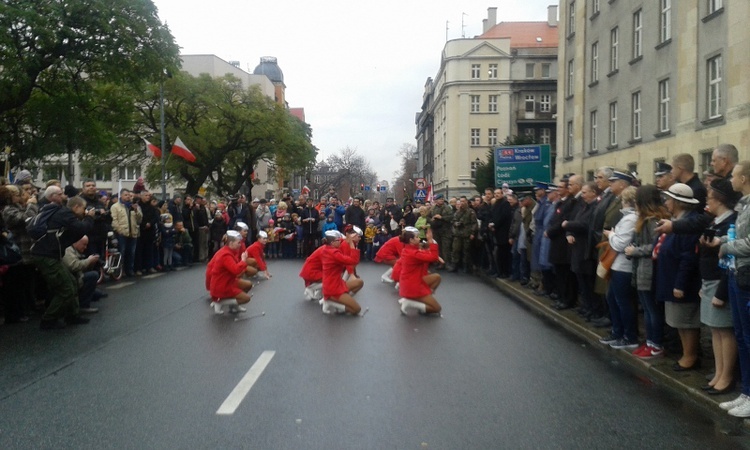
(442,225)
(465,223)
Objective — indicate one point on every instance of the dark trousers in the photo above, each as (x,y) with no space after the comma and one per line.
(63,288)
(567,287)
(146,243)
(127,249)
(308,244)
(503,257)
(86,291)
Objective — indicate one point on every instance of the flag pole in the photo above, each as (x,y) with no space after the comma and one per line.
(163,143)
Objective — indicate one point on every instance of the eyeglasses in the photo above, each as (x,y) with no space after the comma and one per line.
(599,177)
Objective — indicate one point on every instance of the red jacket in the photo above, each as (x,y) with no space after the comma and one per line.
(334,264)
(225,268)
(255,251)
(390,250)
(345,249)
(414,263)
(312,269)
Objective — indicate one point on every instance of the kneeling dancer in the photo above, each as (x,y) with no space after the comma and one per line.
(337,294)
(227,288)
(312,274)
(416,284)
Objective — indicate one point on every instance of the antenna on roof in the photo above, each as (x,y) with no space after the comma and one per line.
(446,31)
(463,27)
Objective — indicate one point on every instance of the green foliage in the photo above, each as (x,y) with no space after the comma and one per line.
(485,173)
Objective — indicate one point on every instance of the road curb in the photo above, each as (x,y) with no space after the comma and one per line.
(659,371)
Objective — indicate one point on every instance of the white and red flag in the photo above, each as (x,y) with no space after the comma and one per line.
(305,190)
(429,194)
(152,150)
(181,150)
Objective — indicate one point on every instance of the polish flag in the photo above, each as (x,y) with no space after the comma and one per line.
(305,190)
(429,194)
(152,150)
(181,150)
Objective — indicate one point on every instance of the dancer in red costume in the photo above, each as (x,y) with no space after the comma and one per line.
(226,288)
(337,294)
(256,261)
(389,254)
(416,284)
(312,274)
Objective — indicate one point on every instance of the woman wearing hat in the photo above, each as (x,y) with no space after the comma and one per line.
(715,313)
(312,274)
(389,254)
(337,294)
(740,296)
(678,277)
(255,260)
(226,288)
(416,284)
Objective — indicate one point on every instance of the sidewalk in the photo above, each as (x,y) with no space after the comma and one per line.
(659,370)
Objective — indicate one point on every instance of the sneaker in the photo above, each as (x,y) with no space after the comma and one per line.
(624,344)
(88,310)
(651,352)
(609,339)
(138,273)
(237,309)
(727,406)
(741,410)
(640,350)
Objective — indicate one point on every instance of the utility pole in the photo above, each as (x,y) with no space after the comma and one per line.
(163,143)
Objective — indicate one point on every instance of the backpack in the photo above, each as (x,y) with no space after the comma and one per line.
(37,227)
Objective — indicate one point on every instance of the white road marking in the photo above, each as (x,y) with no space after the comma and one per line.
(153,275)
(120,285)
(234,399)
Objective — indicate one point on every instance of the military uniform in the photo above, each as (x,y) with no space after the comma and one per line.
(464,227)
(441,229)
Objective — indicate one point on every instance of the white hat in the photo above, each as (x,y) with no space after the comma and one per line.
(234,235)
(262,235)
(412,230)
(241,225)
(333,234)
(682,193)
(357,230)
(256,200)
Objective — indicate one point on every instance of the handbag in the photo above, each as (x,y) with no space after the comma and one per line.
(9,251)
(743,278)
(606,259)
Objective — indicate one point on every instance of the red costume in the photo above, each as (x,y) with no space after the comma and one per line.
(312,269)
(414,263)
(345,249)
(226,266)
(391,250)
(396,274)
(334,263)
(255,251)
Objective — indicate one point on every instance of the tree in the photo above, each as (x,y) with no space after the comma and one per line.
(485,173)
(353,170)
(229,128)
(403,187)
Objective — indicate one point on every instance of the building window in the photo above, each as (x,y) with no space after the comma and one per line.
(492,105)
(665,21)
(530,133)
(571,18)
(569,145)
(474,103)
(664,105)
(705,159)
(53,172)
(545,135)
(546,70)
(613,124)
(492,136)
(637,34)
(475,68)
(493,71)
(633,168)
(614,42)
(529,103)
(99,174)
(570,78)
(130,173)
(636,115)
(545,102)
(594,62)
(475,136)
(593,131)
(474,164)
(530,70)
(714,87)
(714,5)
(594,7)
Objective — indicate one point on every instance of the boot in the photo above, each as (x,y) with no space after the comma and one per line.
(407,304)
(386,277)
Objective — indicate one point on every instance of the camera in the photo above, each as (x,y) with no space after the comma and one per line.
(709,233)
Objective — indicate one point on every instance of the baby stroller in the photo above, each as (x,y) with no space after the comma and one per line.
(112,264)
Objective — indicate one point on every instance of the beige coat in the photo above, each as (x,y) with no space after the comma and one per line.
(126,223)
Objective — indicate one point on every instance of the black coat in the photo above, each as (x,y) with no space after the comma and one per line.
(582,251)
(53,246)
(502,217)
(559,250)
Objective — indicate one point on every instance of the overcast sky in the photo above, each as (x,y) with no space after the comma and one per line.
(357,68)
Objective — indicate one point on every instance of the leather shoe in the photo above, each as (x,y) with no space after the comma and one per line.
(726,390)
(678,368)
(706,387)
(562,306)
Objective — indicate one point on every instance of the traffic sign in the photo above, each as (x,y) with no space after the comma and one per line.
(420,194)
(522,165)
(383,189)
(367,188)
(420,183)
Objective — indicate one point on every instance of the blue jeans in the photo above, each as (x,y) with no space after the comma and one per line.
(738,299)
(86,291)
(127,248)
(653,317)
(621,307)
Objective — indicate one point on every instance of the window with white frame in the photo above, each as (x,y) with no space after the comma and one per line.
(545,135)
(546,70)
(665,20)
(614,45)
(493,71)
(492,104)
(570,78)
(475,136)
(714,5)
(474,103)
(545,102)
(492,136)
(529,103)
(613,124)
(529,70)
(636,106)
(474,165)
(664,105)
(594,6)
(572,17)
(129,173)
(637,34)
(530,133)
(99,174)
(475,68)
(595,62)
(593,118)
(714,87)
(569,144)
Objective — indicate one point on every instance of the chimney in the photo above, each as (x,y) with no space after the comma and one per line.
(552,15)
(491,19)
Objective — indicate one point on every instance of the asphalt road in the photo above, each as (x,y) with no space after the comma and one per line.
(155,366)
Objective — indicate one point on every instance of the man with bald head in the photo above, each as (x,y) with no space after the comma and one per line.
(84,270)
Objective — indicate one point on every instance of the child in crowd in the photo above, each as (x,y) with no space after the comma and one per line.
(167,241)
(378,241)
(300,237)
(183,245)
(329,224)
(217,230)
(370,232)
(272,248)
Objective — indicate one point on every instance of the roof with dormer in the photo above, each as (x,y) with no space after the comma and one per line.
(524,34)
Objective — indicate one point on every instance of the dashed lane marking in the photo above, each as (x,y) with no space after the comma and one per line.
(153,275)
(234,399)
(120,285)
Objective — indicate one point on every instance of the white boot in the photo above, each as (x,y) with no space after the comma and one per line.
(407,304)
(346,275)
(396,286)
(386,277)
(217,308)
(332,307)
(308,294)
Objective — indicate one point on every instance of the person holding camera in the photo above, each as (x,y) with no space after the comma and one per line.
(85,270)
(126,222)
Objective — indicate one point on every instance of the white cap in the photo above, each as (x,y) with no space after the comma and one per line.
(357,230)
(412,230)
(234,235)
(241,225)
(333,234)
(262,234)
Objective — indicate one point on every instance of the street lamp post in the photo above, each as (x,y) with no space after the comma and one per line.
(163,143)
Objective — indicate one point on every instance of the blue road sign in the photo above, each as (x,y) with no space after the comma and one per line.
(383,189)
(420,193)
(367,188)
